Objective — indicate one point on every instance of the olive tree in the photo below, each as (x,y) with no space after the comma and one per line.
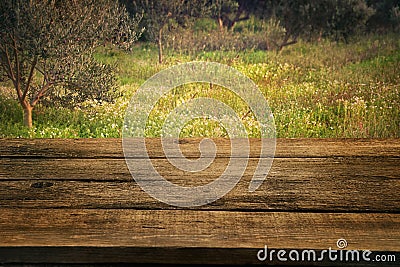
(158,14)
(228,12)
(337,18)
(386,16)
(47,46)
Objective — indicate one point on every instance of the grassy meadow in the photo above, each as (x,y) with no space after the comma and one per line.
(320,89)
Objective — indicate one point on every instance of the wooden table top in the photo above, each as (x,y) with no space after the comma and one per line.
(75,201)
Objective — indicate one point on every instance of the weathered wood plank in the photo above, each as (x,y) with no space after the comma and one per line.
(314,195)
(74,201)
(318,184)
(116,170)
(105,148)
(236,233)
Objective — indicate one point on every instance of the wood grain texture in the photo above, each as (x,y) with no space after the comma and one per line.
(386,168)
(74,201)
(243,232)
(315,184)
(106,148)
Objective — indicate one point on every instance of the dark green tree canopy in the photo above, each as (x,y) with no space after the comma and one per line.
(286,20)
(386,16)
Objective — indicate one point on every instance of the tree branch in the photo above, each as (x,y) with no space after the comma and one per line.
(12,76)
(286,41)
(239,13)
(18,71)
(41,93)
(31,72)
(243,18)
(289,43)
(6,67)
(40,70)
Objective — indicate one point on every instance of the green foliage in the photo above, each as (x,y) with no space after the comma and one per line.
(314,90)
(161,16)
(225,12)
(46,49)
(349,17)
(386,16)
(334,18)
(58,57)
(188,41)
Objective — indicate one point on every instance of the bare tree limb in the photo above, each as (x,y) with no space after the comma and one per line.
(40,94)
(5,66)
(18,71)
(31,72)
(12,76)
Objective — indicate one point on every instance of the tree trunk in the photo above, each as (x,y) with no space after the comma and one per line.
(286,41)
(320,36)
(268,45)
(160,49)
(220,24)
(27,115)
(230,25)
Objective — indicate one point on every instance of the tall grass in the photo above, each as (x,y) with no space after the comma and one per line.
(323,89)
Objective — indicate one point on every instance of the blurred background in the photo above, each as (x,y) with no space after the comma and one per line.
(328,68)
